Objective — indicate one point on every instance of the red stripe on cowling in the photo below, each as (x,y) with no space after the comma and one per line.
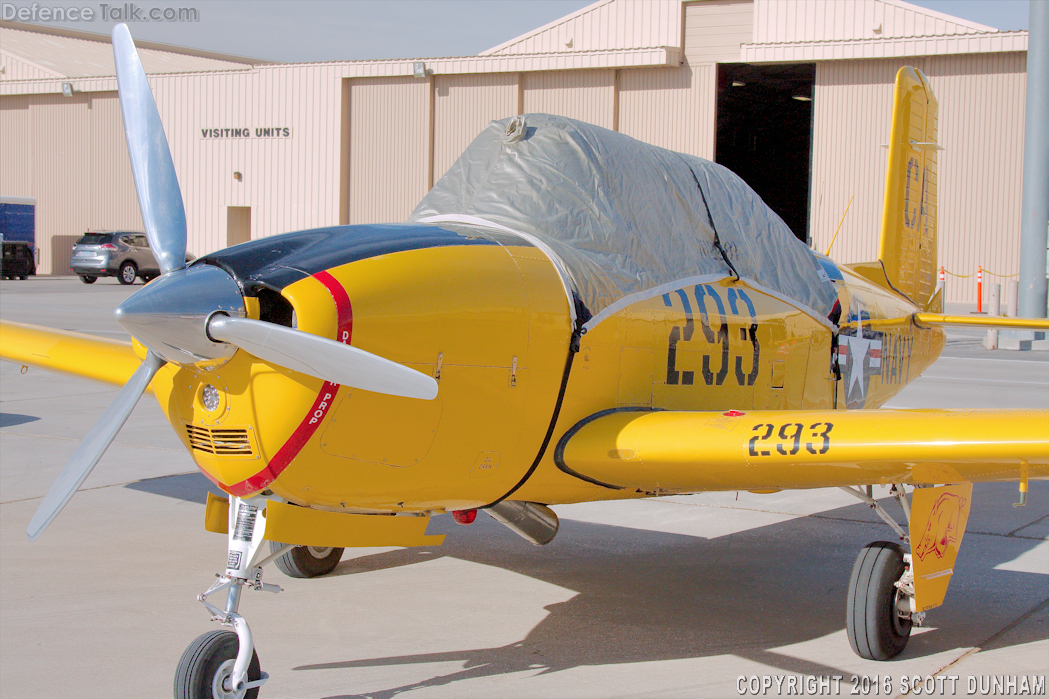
(302,434)
(342,305)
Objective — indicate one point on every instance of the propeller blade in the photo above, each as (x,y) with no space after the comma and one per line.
(159,196)
(87,454)
(323,358)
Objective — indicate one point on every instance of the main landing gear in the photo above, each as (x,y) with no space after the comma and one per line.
(224,664)
(880,611)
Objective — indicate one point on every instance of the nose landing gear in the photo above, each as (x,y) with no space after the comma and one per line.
(224,664)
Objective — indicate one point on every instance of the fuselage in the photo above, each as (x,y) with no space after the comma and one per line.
(488,315)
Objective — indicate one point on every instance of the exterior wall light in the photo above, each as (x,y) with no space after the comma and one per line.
(419,69)
(67,89)
(237,176)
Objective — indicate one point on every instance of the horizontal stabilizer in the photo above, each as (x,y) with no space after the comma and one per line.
(979,321)
(685,452)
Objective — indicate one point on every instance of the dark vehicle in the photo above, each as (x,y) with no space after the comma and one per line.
(18,260)
(121,254)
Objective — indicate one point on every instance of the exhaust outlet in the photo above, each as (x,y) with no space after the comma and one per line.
(529,520)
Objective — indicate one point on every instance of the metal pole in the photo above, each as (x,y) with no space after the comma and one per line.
(979,289)
(1035,218)
(994,308)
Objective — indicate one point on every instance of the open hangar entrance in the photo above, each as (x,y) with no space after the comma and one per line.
(764,133)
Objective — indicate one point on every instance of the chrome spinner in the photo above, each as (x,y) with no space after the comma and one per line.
(170,315)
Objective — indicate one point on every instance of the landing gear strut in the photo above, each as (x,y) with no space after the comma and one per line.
(880,611)
(224,664)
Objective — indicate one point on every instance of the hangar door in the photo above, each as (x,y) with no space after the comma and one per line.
(764,134)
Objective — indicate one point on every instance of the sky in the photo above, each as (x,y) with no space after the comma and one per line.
(332,30)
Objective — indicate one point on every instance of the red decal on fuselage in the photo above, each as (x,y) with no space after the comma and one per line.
(316,415)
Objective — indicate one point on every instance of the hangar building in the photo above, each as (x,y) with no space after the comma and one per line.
(794,95)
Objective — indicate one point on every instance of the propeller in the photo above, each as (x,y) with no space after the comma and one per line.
(321,357)
(197,313)
(87,454)
(159,196)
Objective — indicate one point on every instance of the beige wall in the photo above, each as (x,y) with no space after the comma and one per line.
(981,129)
(670,107)
(601,26)
(289,183)
(14,68)
(464,106)
(366,149)
(714,30)
(587,95)
(389,147)
(69,154)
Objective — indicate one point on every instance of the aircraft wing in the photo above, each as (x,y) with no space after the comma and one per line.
(764,450)
(91,357)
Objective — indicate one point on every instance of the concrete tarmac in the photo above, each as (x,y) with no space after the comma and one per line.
(701,596)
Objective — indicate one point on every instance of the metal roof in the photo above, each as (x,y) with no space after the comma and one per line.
(606,25)
(824,30)
(996,42)
(30,51)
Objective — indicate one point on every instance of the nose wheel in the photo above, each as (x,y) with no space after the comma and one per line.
(206,669)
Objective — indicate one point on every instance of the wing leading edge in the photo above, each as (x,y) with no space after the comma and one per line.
(88,356)
(668,451)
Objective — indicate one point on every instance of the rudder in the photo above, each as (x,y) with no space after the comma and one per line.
(908,245)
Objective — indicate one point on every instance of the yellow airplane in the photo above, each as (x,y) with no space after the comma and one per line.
(569,315)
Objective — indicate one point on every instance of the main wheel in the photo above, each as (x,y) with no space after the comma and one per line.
(87,278)
(206,668)
(876,630)
(307,561)
(128,272)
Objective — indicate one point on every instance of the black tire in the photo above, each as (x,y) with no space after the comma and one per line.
(87,278)
(23,277)
(307,561)
(206,662)
(128,272)
(147,278)
(876,631)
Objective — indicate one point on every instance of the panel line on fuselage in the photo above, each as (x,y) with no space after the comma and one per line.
(555,260)
(640,296)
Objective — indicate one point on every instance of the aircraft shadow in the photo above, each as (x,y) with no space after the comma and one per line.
(12,419)
(191,487)
(646,596)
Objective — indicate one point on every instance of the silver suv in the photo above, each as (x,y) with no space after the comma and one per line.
(121,254)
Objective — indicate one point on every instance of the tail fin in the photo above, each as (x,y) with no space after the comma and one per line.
(908,228)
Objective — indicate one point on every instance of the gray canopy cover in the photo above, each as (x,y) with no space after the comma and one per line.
(626,218)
